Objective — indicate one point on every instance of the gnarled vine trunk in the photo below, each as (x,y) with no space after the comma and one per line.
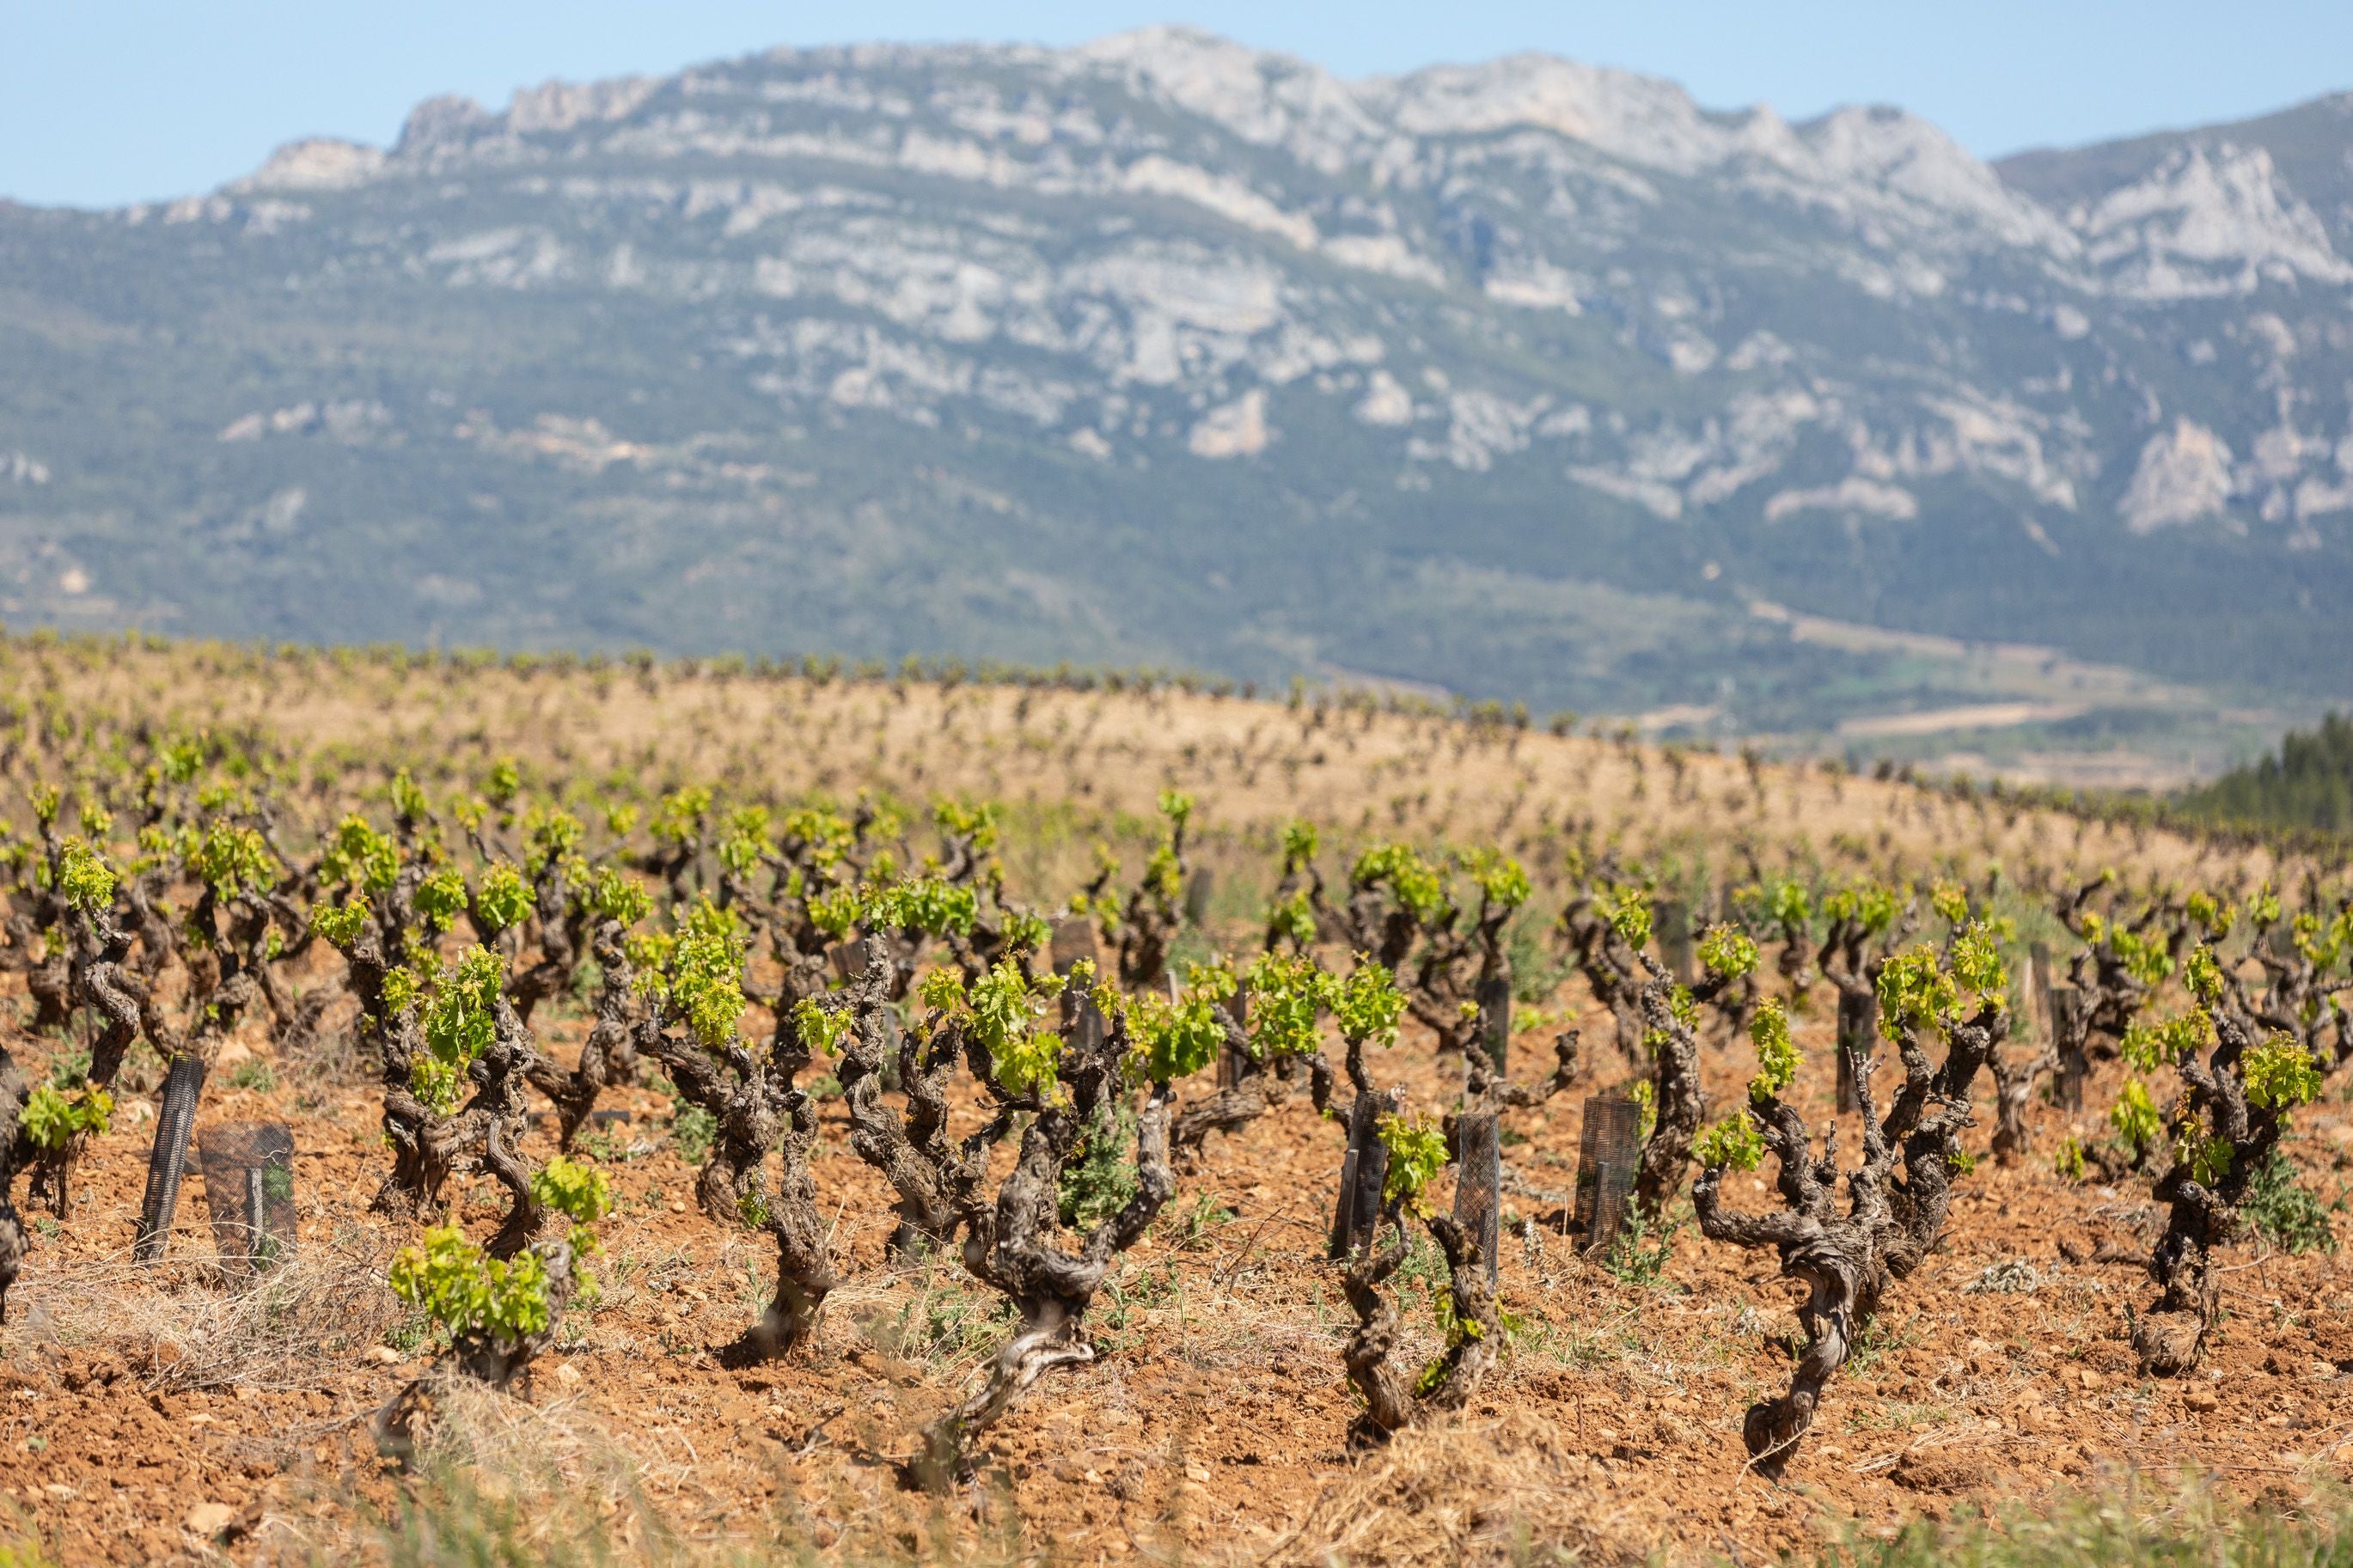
(608,1055)
(2170,1336)
(1897,1199)
(1008,1245)
(1393,1400)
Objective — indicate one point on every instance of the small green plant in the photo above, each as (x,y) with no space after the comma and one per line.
(1639,1254)
(1287,998)
(441,899)
(2285,1214)
(461,1022)
(692,1130)
(820,1029)
(87,881)
(1878,1339)
(1778,1057)
(1206,1213)
(1536,966)
(1734,1143)
(2068,1162)
(2148,1047)
(946,1323)
(2135,1119)
(2279,1074)
(1725,950)
(254,1074)
(1417,1153)
(1099,1182)
(580,1192)
(493,1311)
(1416,884)
(360,859)
(51,1122)
(504,900)
(599,1144)
(697,973)
(1292,918)
(464,1290)
(1133,1290)
(230,861)
(1367,1004)
(1915,994)
(1003,1009)
(1628,909)
(339,925)
(1179,1038)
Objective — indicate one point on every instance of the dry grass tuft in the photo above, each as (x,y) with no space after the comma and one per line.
(299,1326)
(513,1446)
(456,1516)
(1507,1491)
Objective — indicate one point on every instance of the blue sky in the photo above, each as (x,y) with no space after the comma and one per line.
(106,102)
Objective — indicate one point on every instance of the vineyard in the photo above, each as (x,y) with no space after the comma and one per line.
(455,1106)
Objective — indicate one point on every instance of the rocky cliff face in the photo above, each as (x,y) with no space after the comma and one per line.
(1527,378)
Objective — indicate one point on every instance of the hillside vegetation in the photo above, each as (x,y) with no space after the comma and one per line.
(2307,783)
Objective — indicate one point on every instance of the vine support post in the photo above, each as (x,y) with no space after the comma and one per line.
(1479,1183)
(167,1160)
(2066,1005)
(1199,888)
(1074,939)
(1363,1171)
(1675,928)
(1233,1062)
(249,1169)
(2038,983)
(1609,1149)
(1494,999)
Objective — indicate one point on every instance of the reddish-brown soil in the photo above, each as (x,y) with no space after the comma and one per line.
(1213,1418)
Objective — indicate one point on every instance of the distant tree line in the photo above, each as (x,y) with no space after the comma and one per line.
(2309,783)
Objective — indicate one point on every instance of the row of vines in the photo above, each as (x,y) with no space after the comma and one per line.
(169,892)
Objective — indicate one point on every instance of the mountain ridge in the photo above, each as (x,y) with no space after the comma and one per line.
(1524,379)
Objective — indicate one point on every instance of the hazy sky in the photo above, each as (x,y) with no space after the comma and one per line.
(103,102)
